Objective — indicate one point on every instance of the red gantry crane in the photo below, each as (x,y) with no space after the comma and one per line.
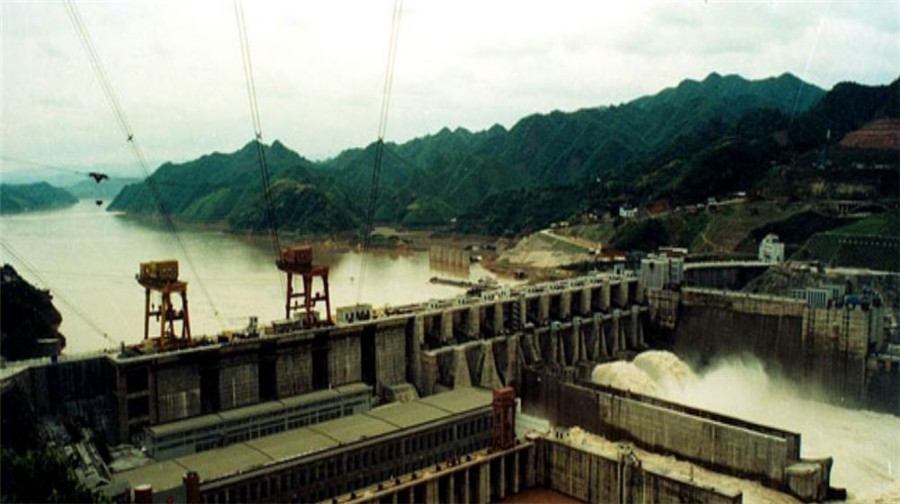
(162,277)
(298,260)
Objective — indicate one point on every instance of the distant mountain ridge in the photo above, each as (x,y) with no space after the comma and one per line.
(561,148)
(18,198)
(228,188)
(458,173)
(106,189)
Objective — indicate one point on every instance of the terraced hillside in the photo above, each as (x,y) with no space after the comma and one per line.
(871,243)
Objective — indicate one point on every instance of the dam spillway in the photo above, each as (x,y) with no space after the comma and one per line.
(504,336)
(441,344)
(481,340)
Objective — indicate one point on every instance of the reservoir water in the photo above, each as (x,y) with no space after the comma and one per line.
(88,258)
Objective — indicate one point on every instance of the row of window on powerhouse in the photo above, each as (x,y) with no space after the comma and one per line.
(191,440)
(360,468)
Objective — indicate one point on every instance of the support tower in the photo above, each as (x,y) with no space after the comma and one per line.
(297,260)
(162,277)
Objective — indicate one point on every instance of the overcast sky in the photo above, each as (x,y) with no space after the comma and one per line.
(319,67)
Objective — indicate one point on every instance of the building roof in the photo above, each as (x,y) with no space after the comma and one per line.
(251,411)
(353,428)
(159,475)
(310,398)
(241,457)
(292,443)
(212,464)
(189,424)
(407,414)
(460,400)
(354,388)
(212,419)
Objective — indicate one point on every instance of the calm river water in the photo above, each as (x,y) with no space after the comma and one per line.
(88,258)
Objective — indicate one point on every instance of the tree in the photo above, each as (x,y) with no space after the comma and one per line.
(28,315)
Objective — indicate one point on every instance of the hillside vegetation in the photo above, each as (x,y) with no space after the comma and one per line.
(28,316)
(872,243)
(228,188)
(18,198)
(700,138)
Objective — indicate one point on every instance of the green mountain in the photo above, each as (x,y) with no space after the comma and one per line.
(18,198)
(698,139)
(770,152)
(461,169)
(227,188)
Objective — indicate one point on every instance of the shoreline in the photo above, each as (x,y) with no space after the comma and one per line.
(506,258)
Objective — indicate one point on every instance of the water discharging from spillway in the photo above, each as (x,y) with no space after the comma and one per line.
(865,445)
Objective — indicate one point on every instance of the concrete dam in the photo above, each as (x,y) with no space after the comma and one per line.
(435,346)
(839,351)
(231,398)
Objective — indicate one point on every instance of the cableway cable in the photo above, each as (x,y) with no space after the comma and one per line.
(98,177)
(812,52)
(91,174)
(43,165)
(257,127)
(112,99)
(379,144)
(56,293)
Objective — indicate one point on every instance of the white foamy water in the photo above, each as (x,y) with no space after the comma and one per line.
(665,369)
(865,445)
(626,376)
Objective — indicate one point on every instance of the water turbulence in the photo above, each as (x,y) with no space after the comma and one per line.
(665,369)
(626,376)
(865,445)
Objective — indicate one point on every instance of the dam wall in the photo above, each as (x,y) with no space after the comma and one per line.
(731,275)
(716,323)
(716,441)
(829,349)
(79,389)
(620,477)
(476,340)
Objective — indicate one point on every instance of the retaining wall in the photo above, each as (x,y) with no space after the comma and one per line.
(596,478)
(716,441)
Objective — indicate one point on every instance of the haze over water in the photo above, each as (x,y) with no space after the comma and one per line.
(89,257)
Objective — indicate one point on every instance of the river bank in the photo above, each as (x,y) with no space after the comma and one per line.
(87,258)
(537,257)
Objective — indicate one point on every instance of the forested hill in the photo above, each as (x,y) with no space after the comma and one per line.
(18,198)
(671,145)
(228,188)
(453,170)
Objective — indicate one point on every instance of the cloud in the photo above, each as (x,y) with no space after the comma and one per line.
(319,67)
(711,29)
